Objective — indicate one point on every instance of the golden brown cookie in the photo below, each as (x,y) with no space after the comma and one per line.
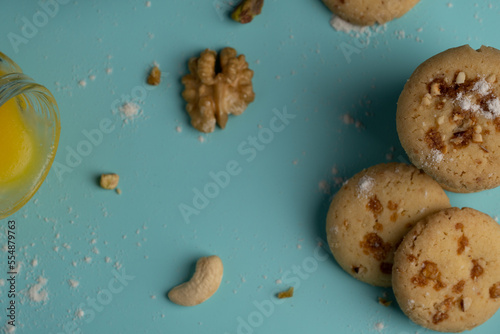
(448,118)
(372,212)
(446,273)
(369,12)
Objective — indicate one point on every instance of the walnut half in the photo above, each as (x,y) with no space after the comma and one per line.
(212,95)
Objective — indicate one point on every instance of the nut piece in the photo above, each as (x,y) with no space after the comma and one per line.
(426,100)
(247,10)
(204,283)
(211,96)
(286,294)
(477,138)
(460,78)
(440,120)
(109,181)
(435,90)
(154,77)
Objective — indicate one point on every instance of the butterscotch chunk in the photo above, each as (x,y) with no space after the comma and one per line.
(286,294)
(109,181)
(154,77)
(443,289)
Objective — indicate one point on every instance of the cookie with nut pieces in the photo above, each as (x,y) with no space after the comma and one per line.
(448,118)
(446,274)
(371,213)
(366,13)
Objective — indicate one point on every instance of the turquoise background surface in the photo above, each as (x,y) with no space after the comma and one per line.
(267,223)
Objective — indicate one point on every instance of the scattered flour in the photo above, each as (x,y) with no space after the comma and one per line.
(324,186)
(341,25)
(178,129)
(365,186)
(482,88)
(73,283)
(201,139)
(79,313)
(34,262)
(36,292)
(347,119)
(129,111)
(435,157)
(109,70)
(379,326)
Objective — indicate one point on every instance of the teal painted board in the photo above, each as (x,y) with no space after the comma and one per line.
(114,257)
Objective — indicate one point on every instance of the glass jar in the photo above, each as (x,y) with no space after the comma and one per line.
(29,131)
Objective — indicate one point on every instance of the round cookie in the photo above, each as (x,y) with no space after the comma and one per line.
(369,12)
(446,274)
(371,213)
(448,118)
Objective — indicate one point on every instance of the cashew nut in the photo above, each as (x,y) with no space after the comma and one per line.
(203,284)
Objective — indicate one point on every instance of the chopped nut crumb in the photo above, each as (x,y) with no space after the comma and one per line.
(460,78)
(426,100)
(286,294)
(477,138)
(154,77)
(109,181)
(433,139)
(118,191)
(440,120)
(385,302)
(435,90)
(465,303)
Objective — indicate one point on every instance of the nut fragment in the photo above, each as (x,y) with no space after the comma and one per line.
(204,283)
(211,96)
(477,138)
(440,120)
(286,294)
(435,90)
(460,78)
(109,181)
(465,303)
(426,100)
(154,77)
(247,10)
